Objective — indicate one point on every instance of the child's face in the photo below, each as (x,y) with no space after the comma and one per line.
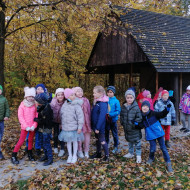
(110,93)
(97,94)
(79,93)
(72,97)
(60,97)
(145,109)
(130,99)
(149,96)
(39,90)
(188,92)
(30,98)
(165,97)
(0,91)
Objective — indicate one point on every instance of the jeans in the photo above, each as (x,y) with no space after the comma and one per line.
(162,147)
(1,131)
(57,130)
(100,140)
(137,146)
(183,118)
(44,141)
(113,127)
(37,140)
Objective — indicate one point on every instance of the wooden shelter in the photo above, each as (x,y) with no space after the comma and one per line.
(154,45)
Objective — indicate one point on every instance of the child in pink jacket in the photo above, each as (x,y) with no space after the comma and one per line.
(147,97)
(87,123)
(26,113)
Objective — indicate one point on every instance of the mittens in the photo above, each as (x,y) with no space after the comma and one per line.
(27,128)
(32,128)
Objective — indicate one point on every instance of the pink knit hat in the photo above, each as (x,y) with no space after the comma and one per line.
(165,92)
(146,93)
(68,92)
(75,89)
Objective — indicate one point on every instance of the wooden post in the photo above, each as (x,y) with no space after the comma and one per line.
(131,75)
(112,78)
(156,81)
(176,95)
(181,85)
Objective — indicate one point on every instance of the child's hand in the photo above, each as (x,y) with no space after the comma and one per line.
(134,122)
(79,131)
(6,118)
(96,131)
(32,128)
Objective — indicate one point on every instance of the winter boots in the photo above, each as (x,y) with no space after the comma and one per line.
(14,159)
(30,155)
(96,155)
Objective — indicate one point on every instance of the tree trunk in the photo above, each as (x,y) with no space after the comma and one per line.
(2,47)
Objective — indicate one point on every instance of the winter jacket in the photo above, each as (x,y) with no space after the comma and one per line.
(160,106)
(56,107)
(26,116)
(114,108)
(4,108)
(98,114)
(72,117)
(153,128)
(87,116)
(45,118)
(140,98)
(184,105)
(127,118)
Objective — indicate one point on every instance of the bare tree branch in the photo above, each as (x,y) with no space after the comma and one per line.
(26,26)
(30,6)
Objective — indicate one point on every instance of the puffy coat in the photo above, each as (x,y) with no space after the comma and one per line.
(160,106)
(26,116)
(72,116)
(153,128)
(56,107)
(98,114)
(114,108)
(184,105)
(4,108)
(132,133)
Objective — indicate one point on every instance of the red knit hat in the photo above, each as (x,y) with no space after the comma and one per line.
(165,92)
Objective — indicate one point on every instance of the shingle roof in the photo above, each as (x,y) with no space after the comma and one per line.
(164,38)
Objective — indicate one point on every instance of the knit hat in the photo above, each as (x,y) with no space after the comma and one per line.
(130,92)
(41,98)
(68,92)
(165,92)
(75,89)
(146,93)
(41,85)
(59,90)
(29,91)
(145,103)
(112,88)
(1,88)
(188,88)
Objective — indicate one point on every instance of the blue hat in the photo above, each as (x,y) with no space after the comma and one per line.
(41,85)
(171,93)
(145,103)
(112,88)
(132,88)
(41,98)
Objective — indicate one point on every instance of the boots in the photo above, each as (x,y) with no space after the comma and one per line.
(96,155)
(38,152)
(1,156)
(44,158)
(106,158)
(169,166)
(30,155)
(14,158)
(167,144)
(48,162)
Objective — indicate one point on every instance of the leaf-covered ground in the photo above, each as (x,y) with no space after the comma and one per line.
(119,173)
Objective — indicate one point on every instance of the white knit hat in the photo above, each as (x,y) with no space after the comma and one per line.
(29,91)
(59,90)
(188,88)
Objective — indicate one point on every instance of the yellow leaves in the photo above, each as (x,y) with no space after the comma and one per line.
(171,182)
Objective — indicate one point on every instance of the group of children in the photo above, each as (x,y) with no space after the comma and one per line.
(72,120)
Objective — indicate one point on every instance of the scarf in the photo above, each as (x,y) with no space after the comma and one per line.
(27,103)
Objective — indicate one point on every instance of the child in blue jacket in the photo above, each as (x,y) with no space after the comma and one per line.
(112,117)
(154,132)
(98,121)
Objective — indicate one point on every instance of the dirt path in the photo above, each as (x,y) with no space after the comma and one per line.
(25,169)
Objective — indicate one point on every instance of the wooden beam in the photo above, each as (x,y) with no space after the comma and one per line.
(156,81)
